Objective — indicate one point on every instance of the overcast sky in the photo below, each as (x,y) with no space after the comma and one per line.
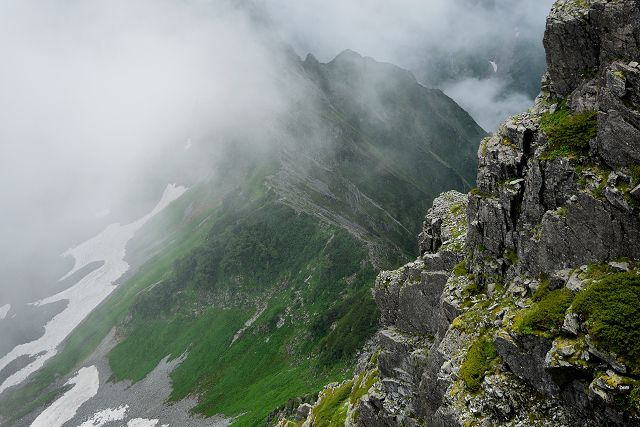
(394,30)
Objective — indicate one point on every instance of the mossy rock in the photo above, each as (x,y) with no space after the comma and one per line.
(568,133)
(546,315)
(611,310)
(479,361)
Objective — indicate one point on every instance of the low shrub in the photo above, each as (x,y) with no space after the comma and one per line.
(460,269)
(332,410)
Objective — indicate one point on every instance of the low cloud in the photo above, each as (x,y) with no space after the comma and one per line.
(486,100)
(446,43)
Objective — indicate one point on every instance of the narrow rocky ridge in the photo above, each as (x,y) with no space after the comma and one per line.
(521,309)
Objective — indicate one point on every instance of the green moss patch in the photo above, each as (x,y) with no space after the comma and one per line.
(634,170)
(333,406)
(568,133)
(547,313)
(480,360)
(365,381)
(611,309)
(511,256)
(460,269)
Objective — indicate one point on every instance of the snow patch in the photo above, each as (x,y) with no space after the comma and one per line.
(494,65)
(143,422)
(106,416)
(85,386)
(4,310)
(108,246)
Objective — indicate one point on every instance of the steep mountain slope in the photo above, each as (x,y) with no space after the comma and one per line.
(263,294)
(523,306)
(375,120)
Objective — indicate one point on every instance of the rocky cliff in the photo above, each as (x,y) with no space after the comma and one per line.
(524,305)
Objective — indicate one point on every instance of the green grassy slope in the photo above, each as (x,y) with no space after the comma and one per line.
(313,279)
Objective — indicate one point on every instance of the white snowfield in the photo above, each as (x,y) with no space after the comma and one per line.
(106,416)
(86,383)
(4,310)
(142,422)
(110,415)
(85,386)
(108,246)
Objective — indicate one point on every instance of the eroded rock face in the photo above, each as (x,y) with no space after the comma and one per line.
(581,35)
(618,139)
(415,318)
(444,227)
(557,211)
(593,47)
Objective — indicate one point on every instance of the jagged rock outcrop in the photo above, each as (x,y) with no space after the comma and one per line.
(593,49)
(524,310)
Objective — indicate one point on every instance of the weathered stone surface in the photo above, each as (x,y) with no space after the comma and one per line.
(559,278)
(571,45)
(585,97)
(444,223)
(616,23)
(303,411)
(571,324)
(590,231)
(374,414)
(618,139)
(401,359)
(438,374)
(580,36)
(409,298)
(611,359)
(525,357)
(619,266)
(442,261)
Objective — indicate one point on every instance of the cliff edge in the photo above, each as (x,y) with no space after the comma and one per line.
(523,308)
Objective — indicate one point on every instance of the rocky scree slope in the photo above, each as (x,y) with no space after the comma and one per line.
(523,308)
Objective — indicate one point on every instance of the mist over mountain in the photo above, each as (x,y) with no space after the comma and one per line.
(475,50)
(102,98)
